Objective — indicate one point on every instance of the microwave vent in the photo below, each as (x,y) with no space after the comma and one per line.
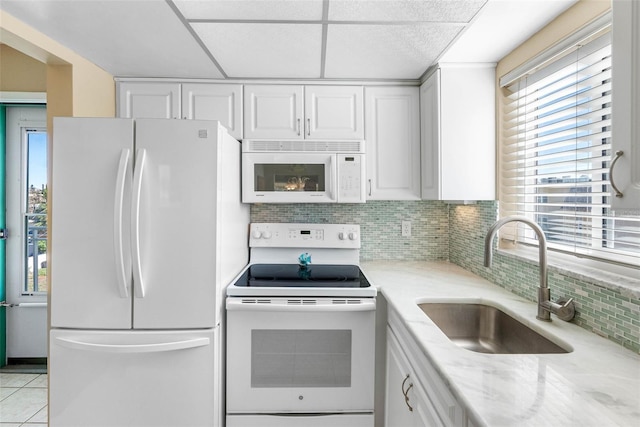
(304,146)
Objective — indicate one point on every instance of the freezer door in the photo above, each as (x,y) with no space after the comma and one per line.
(133,378)
(90,264)
(174,223)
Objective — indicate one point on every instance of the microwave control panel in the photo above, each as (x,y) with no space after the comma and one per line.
(351,178)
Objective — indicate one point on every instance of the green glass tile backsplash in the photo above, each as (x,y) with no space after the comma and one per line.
(456,233)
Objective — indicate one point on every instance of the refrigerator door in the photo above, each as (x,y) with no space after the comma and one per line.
(132,378)
(92,164)
(174,208)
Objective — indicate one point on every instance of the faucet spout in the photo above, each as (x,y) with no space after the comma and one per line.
(566,310)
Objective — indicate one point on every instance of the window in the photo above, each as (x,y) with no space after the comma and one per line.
(556,153)
(35,210)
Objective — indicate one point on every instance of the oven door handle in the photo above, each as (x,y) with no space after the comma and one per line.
(265,304)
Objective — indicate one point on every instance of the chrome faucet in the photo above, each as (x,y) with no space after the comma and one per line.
(563,308)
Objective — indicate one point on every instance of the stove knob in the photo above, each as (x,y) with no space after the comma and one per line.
(256,234)
(266,235)
(341,235)
(353,236)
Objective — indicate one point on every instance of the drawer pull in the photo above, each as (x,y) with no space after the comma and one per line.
(405,393)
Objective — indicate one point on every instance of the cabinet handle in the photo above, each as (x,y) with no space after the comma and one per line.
(619,154)
(308,126)
(406,393)
(370,185)
(298,127)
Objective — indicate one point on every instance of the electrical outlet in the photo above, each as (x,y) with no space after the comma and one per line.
(406,228)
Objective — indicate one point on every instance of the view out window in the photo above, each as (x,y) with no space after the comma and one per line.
(35,211)
(556,154)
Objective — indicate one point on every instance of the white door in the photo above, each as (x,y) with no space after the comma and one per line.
(334,112)
(91,178)
(27,238)
(149,100)
(132,378)
(174,233)
(393,143)
(273,112)
(220,102)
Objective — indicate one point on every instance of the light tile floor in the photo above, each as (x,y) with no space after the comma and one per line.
(23,400)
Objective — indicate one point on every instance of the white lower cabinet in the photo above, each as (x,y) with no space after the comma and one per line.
(415,393)
(407,402)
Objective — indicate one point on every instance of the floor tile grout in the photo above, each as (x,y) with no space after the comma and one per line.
(26,382)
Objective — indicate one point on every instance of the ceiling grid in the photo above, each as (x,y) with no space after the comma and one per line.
(362,40)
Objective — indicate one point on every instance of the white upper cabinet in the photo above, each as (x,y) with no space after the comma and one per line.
(392,143)
(222,102)
(457,106)
(148,100)
(625,128)
(299,112)
(273,111)
(334,112)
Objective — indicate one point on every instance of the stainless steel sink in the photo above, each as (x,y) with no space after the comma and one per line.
(486,329)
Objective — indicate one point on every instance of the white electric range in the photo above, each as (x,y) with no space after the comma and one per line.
(301,330)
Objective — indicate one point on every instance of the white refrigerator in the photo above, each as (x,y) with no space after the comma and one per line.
(147,229)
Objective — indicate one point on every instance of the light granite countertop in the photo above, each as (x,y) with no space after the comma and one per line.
(597,384)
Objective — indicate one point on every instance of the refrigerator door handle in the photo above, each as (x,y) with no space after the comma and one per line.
(138,171)
(121,273)
(133,348)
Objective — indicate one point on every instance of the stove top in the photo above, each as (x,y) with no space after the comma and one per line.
(295,280)
(311,276)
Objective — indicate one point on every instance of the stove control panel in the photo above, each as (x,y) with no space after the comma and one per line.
(288,235)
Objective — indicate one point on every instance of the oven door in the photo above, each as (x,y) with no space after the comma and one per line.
(289,177)
(292,355)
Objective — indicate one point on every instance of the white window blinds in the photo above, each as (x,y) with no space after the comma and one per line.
(555,156)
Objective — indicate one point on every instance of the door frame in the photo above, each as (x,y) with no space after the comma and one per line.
(9,99)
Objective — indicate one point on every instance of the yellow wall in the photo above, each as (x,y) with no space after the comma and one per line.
(21,73)
(75,86)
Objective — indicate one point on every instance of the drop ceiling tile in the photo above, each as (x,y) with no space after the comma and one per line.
(461,11)
(125,38)
(295,10)
(264,50)
(385,51)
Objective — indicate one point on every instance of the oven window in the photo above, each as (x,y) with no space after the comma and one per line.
(300,358)
(289,177)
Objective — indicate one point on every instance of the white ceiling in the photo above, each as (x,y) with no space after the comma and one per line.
(285,39)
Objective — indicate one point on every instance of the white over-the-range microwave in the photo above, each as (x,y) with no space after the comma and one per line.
(303,171)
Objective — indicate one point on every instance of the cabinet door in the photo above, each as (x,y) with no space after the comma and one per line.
(220,102)
(273,112)
(334,112)
(398,411)
(626,106)
(458,134)
(393,143)
(149,100)
(407,403)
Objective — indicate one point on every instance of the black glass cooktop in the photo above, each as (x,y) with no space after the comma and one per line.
(311,276)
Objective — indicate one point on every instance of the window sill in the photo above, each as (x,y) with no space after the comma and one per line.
(623,280)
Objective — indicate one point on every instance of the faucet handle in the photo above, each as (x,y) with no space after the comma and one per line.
(565,309)
(565,304)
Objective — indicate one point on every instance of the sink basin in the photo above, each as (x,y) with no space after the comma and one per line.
(486,329)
